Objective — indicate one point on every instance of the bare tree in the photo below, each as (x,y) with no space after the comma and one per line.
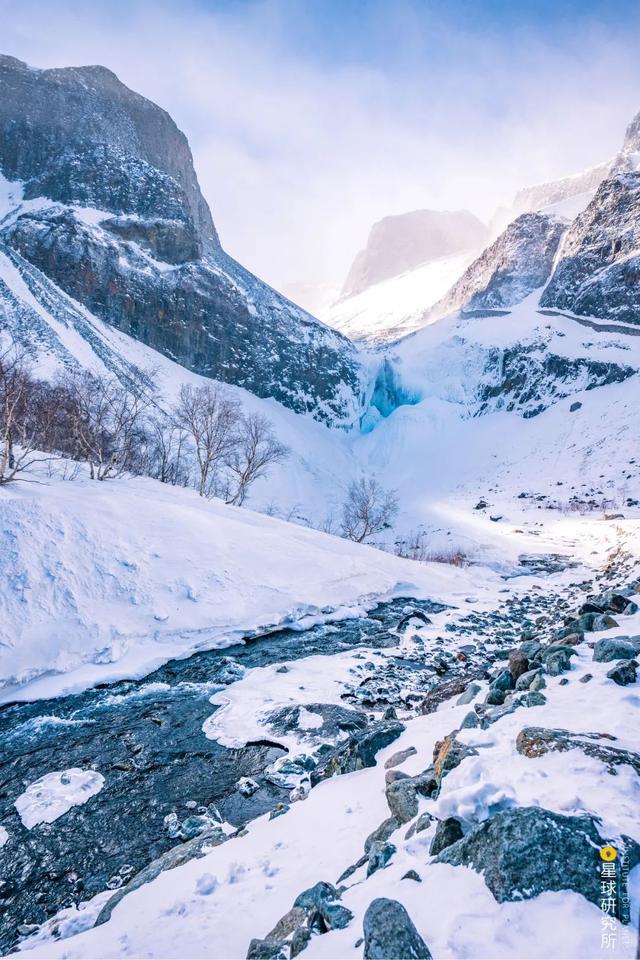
(166,451)
(210,417)
(107,423)
(256,449)
(19,420)
(368,509)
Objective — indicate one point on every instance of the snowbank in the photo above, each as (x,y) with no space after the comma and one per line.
(110,580)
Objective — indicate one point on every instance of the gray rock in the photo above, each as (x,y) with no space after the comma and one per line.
(517,851)
(382,832)
(447,832)
(469,694)
(389,933)
(412,875)
(380,852)
(397,758)
(533,698)
(525,680)
(422,823)
(175,857)
(470,720)
(402,798)
(267,950)
(559,661)
(620,648)
(624,672)
(536,741)
(322,909)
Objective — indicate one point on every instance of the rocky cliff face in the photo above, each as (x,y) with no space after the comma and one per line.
(106,204)
(517,263)
(400,243)
(598,273)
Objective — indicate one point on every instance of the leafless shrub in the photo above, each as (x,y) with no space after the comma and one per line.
(106,423)
(210,418)
(416,546)
(23,415)
(167,450)
(255,450)
(368,509)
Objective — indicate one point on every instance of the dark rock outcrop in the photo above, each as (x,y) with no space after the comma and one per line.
(598,274)
(526,851)
(517,263)
(146,257)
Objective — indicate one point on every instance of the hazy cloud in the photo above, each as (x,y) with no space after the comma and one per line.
(310,121)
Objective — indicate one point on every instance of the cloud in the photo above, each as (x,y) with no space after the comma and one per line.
(310,121)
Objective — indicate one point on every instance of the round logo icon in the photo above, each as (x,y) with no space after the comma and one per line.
(608,854)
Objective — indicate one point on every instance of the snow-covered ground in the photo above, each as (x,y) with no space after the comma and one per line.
(106,580)
(193,910)
(396,307)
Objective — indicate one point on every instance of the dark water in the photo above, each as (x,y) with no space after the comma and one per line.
(149,746)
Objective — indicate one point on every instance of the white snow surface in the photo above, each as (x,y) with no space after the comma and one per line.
(54,794)
(395,307)
(106,580)
(193,910)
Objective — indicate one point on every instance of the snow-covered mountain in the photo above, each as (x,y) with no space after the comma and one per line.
(409,262)
(401,243)
(225,735)
(392,308)
(99,195)
(566,197)
(598,272)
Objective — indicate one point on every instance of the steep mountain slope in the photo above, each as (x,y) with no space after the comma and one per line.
(566,197)
(598,273)
(395,307)
(400,243)
(100,195)
(517,263)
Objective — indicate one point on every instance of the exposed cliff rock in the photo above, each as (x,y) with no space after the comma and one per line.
(106,204)
(400,243)
(516,264)
(598,274)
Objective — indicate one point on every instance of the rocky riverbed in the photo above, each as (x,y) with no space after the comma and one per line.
(195,752)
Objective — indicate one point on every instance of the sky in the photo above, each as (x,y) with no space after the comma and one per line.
(311,119)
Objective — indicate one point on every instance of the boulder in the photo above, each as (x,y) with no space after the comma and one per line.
(525,851)
(518,664)
(382,832)
(389,933)
(536,741)
(616,648)
(624,672)
(447,832)
(380,852)
(321,908)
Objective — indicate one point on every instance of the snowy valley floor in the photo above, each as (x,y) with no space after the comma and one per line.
(315,709)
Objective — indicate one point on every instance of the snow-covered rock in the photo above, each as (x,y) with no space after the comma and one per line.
(99,193)
(598,272)
(517,263)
